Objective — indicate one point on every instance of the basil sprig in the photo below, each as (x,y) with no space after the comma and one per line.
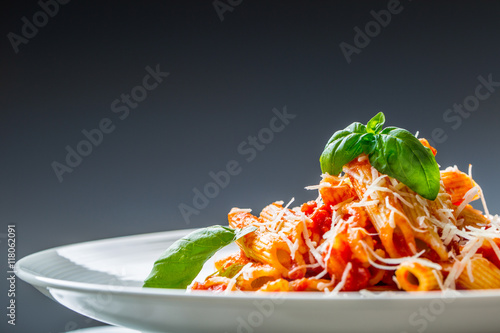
(183,260)
(392,151)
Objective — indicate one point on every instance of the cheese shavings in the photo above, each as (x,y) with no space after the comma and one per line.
(468,197)
(398,261)
(469,250)
(310,245)
(343,281)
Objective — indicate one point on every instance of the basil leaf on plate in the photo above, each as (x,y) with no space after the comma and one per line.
(183,260)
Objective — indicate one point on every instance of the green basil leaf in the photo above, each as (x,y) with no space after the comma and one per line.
(375,124)
(356,128)
(368,143)
(400,155)
(342,148)
(183,260)
(353,128)
(340,152)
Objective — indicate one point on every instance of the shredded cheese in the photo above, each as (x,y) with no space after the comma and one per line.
(398,261)
(307,240)
(438,279)
(469,250)
(288,242)
(468,197)
(343,281)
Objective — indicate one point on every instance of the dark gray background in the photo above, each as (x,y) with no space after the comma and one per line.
(225,79)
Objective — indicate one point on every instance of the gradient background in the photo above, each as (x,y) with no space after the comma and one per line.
(225,78)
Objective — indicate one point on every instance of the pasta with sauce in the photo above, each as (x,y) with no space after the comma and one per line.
(366,231)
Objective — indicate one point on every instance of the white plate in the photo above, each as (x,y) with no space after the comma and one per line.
(102,280)
(104,329)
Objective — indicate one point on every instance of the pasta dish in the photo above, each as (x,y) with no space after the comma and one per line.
(367,230)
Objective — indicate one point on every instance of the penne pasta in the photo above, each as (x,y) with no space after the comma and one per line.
(413,276)
(472,217)
(266,247)
(457,184)
(482,274)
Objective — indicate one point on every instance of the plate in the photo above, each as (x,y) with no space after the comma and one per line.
(102,280)
(104,329)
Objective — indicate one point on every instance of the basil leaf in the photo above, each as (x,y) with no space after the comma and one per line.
(375,124)
(400,155)
(342,148)
(368,143)
(183,260)
(340,152)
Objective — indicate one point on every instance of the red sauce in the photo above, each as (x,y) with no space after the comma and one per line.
(357,278)
(490,254)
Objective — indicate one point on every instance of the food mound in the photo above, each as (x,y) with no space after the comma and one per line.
(369,231)
(386,218)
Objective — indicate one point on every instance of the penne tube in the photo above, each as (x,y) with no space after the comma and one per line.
(457,184)
(334,190)
(257,275)
(266,247)
(413,276)
(214,283)
(484,274)
(275,286)
(248,277)
(472,217)
(283,220)
(337,255)
(311,284)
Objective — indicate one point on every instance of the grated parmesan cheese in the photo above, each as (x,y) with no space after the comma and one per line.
(343,281)
(398,261)
(468,197)
(312,248)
